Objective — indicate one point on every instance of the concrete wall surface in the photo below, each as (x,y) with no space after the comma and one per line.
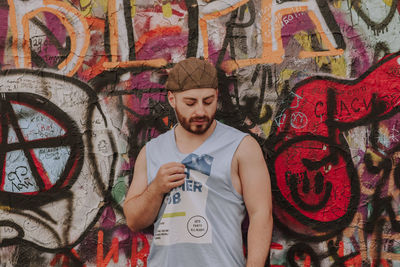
(317,82)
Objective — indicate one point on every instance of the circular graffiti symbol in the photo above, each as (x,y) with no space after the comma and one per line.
(316,191)
(42,148)
(298,120)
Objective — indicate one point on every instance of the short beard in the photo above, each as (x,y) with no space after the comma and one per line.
(186,124)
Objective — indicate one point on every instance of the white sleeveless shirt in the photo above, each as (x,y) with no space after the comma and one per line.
(199,222)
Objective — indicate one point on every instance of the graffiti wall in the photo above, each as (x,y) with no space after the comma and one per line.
(316,82)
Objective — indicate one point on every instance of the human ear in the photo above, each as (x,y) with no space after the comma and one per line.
(171,99)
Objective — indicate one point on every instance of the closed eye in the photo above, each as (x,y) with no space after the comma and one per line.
(208,101)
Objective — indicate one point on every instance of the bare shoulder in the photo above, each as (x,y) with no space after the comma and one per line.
(253,173)
(141,158)
(249,149)
(139,179)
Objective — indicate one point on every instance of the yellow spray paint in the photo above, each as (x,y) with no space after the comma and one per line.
(284,75)
(6,208)
(133,8)
(304,39)
(338,66)
(86,6)
(265,127)
(337,4)
(167,10)
(388,2)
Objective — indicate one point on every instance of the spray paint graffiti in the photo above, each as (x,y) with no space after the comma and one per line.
(275,15)
(23,11)
(51,159)
(81,92)
(313,162)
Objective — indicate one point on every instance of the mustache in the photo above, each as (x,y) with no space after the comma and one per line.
(203,118)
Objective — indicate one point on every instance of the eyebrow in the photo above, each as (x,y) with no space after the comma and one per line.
(189,98)
(195,99)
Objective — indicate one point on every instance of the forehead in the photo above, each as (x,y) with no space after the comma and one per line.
(197,93)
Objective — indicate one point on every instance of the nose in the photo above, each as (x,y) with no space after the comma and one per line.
(200,110)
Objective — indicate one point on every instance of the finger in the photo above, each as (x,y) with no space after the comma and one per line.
(175,170)
(177,177)
(178,183)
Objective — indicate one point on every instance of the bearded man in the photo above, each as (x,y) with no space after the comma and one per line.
(196,182)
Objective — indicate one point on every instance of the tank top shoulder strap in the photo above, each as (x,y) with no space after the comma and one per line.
(225,138)
(158,152)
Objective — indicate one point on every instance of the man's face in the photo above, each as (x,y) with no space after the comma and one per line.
(195,108)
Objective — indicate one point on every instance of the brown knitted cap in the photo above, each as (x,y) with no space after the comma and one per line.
(192,73)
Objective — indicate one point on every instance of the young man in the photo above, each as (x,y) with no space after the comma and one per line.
(196,181)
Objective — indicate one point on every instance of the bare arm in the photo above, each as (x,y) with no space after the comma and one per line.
(256,190)
(143,201)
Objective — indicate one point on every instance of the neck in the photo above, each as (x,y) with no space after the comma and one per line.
(187,142)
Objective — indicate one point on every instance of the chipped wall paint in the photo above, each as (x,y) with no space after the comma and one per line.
(315,82)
